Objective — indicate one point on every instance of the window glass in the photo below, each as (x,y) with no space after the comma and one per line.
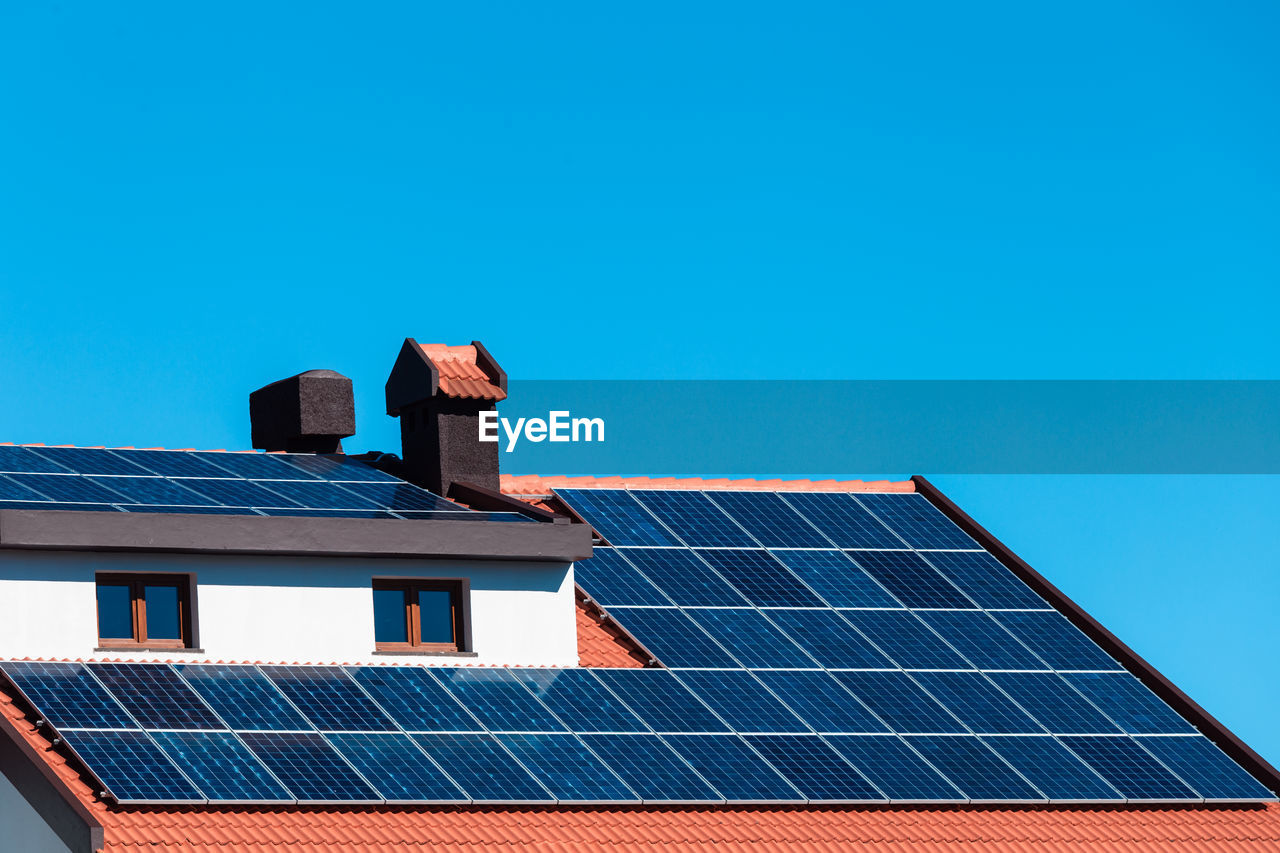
(390,624)
(164,620)
(115,612)
(435,610)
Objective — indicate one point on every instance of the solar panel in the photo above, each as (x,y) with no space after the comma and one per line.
(763,580)
(894,768)
(815,768)
(498,700)
(916,520)
(683,577)
(52,505)
(330,466)
(67,488)
(485,770)
(567,768)
(614,581)
(328,698)
(327,513)
(187,510)
(89,460)
(981,577)
(242,696)
(155,696)
(900,702)
(911,580)
(840,581)
(843,520)
(171,463)
(395,766)
(309,767)
(132,767)
(905,639)
(397,496)
(1205,768)
(153,490)
(1129,768)
(67,695)
(22,460)
(617,516)
(769,519)
(733,768)
(253,466)
(414,699)
(742,702)
(977,702)
(651,768)
(580,700)
(974,768)
(1128,701)
(1055,771)
(12,490)
(221,766)
(751,638)
(981,639)
(1059,643)
(318,495)
(672,637)
(820,701)
(238,493)
(657,698)
(1052,701)
(829,639)
(697,521)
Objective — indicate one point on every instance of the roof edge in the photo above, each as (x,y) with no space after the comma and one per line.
(536,485)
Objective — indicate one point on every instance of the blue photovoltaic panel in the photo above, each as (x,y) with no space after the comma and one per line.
(685,579)
(610,580)
(820,701)
(328,466)
(1048,765)
(221,766)
(1127,700)
(661,701)
(742,702)
(672,637)
(155,695)
(172,463)
(414,699)
(617,516)
(566,768)
(981,639)
(913,581)
(244,697)
(836,578)
(843,520)
(695,519)
(1205,767)
(189,510)
(1059,643)
(11,490)
(22,460)
(973,768)
(238,493)
(1129,768)
(460,514)
(328,697)
(396,768)
(499,700)
(327,513)
(67,695)
(580,700)
(68,488)
(829,639)
(486,771)
(751,638)
(769,519)
(396,496)
(814,768)
(977,702)
(319,495)
(651,768)
(89,460)
(900,702)
(893,767)
(763,580)
(733,768)
(904,638)
(131,766)
(984,579)
(48,505)
(1052,701)
(153,490)
(253,466)
(916,520)
(309,767)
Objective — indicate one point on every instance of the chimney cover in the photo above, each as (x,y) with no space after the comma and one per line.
(308,413)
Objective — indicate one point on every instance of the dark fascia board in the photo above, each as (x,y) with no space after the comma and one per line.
(1208,725)
(478,497)
(320,537)
(47,794)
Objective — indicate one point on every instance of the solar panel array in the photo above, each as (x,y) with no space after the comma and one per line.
(868,648)
(182,481)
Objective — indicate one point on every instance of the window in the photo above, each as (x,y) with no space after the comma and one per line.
(149,611)
(419,615)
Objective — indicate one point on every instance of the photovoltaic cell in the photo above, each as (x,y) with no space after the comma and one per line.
(769,519)
(742,702)
(486,771)
(984,579)
(1128,701)
(900,702)
(904,638)
(67,695)
(1050,767)
(1205,768)
(684,578)
(318,495)
(695,519)
(239,493)
(396,496)
(981,639)
(1052,701)
(566,768)
(843,520)
(661,701)
(974,768)
(153,490)
(651,768)
(253,466)
(763,580)
(836,578)
(328,698)
(68,488)
(302,512)
(396,768)
(673,637)
(820,701)
(977,702)
(1129,768)
(814,768)
(916,520)
(22,460)
(498,700)
(610,580)
(187,510)
(242,696)
(88,460)
(131,766)
(172,463)
(12,490)
(617,516)
(309,767)
(221,766)
(580,700)
(733,768)
(51,505)
(913,581)
(414,699)
(1059,643)
(155,695)
(328,466)
(829,639)
(751,638)
(893,767)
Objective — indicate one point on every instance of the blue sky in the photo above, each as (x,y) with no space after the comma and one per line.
(196,201)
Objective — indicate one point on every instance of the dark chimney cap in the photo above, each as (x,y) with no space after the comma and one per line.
(425,371)
(308,413)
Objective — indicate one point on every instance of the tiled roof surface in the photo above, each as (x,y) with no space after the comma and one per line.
(532,484)
(601,645)
(460,376)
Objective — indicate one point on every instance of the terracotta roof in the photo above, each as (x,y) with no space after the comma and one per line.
(599,644)
(460,375)
(531,485)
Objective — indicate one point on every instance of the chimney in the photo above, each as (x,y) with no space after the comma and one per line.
(438,392)
(308,413)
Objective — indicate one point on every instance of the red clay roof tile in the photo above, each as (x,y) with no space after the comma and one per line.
(533,485)
(460,375)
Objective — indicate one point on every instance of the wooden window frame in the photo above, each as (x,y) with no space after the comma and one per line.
(137,584)
(460,597)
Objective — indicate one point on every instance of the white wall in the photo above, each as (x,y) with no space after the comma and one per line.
(21,827)
(286,609)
